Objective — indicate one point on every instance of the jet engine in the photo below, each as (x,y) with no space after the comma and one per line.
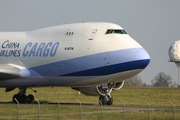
(118,85)
(103,89)
(94,90)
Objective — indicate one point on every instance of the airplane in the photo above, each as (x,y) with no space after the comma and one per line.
(93,58)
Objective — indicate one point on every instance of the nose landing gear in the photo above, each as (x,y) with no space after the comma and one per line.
(106,100)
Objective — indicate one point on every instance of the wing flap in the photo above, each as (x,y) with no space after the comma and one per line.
(8,72)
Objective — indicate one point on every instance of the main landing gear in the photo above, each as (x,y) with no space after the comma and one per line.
(106,100)
(22,98)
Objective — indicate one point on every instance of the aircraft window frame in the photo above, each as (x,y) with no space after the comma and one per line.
(118,31)
(124,31)
(69,33)
(115,31)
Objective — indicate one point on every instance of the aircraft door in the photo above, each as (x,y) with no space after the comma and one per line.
(93,34)
(99,51)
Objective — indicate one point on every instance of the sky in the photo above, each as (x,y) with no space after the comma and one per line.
(155,24)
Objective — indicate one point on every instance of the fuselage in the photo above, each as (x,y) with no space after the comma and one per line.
(82,54)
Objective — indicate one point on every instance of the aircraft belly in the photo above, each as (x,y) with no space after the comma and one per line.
(68,80)
(90,80)
(28,81)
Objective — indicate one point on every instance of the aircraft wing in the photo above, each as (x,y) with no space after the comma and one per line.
(8,72)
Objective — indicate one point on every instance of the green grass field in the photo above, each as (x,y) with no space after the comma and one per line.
(130,97)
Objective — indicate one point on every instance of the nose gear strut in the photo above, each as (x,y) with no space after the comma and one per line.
(106,98)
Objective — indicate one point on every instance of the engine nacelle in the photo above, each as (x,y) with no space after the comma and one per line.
(95,90)
(104,89)
(118,85)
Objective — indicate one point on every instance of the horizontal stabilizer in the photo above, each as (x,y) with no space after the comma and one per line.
(8,72)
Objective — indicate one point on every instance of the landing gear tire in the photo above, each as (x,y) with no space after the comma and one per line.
(30,98)
(106,100)
(22,98)
(15,97)
(103,100)
(110,102)
(19,98)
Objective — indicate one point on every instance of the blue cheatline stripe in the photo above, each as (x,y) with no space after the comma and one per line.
(106,70)
(96,64)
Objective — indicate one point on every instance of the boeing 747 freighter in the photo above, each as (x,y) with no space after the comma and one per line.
(93,58)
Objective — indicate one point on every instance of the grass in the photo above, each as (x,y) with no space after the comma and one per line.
(130,97)
(154,96)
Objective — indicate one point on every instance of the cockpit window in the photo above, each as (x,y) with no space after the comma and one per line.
(115,31)
(124,32)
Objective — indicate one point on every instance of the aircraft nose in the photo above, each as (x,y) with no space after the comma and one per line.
(142,57)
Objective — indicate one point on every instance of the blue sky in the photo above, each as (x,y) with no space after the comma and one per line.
(152,23)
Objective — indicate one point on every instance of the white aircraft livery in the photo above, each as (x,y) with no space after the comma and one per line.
(93,58)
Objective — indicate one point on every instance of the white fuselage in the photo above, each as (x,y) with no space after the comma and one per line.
(82,54)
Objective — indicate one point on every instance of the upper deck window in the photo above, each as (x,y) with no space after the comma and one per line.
(115,31)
